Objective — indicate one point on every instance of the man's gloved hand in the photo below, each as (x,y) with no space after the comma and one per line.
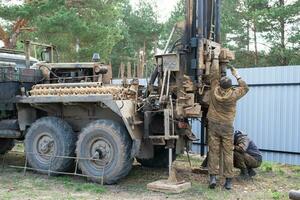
(234,72)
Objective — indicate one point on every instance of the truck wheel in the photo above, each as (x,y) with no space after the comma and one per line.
(6,145)
(46,138)
(109,144)
(159,160)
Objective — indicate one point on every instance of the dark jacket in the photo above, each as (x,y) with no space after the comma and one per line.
(243,144)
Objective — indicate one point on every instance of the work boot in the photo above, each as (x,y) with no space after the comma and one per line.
(251,172)
(228,184)
(212,181)
(244,175)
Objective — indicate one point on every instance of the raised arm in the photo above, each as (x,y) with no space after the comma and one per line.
(242,89)
(214,78)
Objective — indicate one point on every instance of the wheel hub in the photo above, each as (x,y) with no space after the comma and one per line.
(101,152)
(45,147)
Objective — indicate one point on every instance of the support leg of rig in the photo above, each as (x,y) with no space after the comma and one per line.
(170,160)
(171,185)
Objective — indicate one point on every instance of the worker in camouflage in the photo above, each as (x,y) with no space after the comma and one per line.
(221,114)
(246,155)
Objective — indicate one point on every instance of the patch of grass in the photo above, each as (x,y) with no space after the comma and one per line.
(66,181)
(134,183)
(266,167)
(90,187)
(295,169)
(78,186)
(280,171)
(276,195)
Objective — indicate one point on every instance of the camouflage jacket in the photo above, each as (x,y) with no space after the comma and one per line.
(243,144)
(222,103)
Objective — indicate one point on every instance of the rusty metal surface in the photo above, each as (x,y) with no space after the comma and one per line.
(78,89)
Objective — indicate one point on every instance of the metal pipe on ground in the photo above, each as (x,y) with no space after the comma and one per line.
(294,194)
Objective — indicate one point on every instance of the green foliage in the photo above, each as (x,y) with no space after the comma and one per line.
(118,32)
(69,183)
(275,23)
(177,15)
(296,169)
(93,25)
(266,167)
(90,187)
(242,18)
(140,28)
(276,195)
(282,31)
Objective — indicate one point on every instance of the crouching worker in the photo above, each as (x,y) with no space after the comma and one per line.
(246,155)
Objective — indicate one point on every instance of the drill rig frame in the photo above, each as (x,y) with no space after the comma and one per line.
(183,74)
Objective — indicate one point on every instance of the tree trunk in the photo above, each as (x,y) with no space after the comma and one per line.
(77,48)
(122,70)
(255,44)
(248,36)
(11,41)
(140,63)
(284,60)
(144,59)
(129,70)
(134,75)
(4,37)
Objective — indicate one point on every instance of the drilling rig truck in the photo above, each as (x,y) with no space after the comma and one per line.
(70,113)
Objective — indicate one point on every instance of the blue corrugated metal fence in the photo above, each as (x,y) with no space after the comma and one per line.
(270,112)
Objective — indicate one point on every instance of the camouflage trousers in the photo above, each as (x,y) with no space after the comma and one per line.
(220,139)
(244,160)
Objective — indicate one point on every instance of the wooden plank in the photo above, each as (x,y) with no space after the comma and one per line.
(168,187)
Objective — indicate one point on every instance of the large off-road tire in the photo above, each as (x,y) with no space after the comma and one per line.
(6,145)
(159,160)
(49,137)
(109,145)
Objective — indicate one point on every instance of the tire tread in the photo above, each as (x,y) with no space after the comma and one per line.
(126,144)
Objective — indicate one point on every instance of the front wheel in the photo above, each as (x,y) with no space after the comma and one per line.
(48,144)
(104,149)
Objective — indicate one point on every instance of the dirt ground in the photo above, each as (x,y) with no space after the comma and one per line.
(272,182)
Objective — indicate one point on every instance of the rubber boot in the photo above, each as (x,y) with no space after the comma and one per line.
(228,184)
(251,172)
(212,181)
(244,174)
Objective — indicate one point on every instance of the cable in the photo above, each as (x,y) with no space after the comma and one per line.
(175,44)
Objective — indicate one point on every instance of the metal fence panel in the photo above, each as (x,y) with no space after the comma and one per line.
(270,112)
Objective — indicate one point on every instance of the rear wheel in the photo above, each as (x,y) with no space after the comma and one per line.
(109,145)
(47,138)
(6,145)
